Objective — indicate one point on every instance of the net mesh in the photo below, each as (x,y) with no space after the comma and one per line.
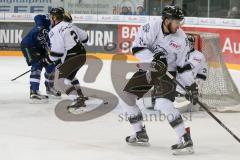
(218,91)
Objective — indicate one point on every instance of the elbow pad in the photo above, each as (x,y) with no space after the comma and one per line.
(184,68)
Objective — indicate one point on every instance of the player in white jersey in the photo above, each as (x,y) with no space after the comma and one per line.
(66,47)
(160,46)
(68,18)
(194,70)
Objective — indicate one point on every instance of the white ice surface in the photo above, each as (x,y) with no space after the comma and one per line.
(33,132)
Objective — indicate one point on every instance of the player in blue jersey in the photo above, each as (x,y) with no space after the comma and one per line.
(35,50)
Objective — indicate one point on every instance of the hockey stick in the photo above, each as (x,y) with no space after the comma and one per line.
(205,108)
(20,75)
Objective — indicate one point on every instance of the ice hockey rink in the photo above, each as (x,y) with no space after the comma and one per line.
(33,132)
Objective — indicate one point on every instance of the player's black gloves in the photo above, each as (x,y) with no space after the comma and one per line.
(57,63)
(45,61)
(158,67)
(193,90)
(159,63)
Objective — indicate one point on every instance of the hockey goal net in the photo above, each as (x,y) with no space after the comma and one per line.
(219,90)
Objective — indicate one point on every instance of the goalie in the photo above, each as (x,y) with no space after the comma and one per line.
(191,75)
(193,72)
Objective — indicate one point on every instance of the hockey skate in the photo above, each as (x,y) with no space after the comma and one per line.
(185,146)
(78,106)
(53,93)
(37,98)
(138,139)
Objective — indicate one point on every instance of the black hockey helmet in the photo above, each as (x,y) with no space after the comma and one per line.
(191,41)
(58,12)
(172,12)
(61,8)
(66,15)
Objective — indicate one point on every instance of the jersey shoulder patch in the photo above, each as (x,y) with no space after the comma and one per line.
(146,27)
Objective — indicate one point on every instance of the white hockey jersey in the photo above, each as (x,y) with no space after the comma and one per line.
(199,66)
(151,37)
(63,37)
(198,63)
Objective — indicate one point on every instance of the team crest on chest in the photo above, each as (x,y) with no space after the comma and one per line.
(158,49)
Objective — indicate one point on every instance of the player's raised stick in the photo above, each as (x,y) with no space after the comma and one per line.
(205,108)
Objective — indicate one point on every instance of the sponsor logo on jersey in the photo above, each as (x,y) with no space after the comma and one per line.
(196,59)
(174,44)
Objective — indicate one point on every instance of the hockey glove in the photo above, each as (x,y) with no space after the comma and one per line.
(193,93)
(46,61)
(57,63)
(159,63)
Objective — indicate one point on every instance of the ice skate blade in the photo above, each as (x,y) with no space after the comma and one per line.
(141,144)
(54,97)
(37,101)
(184,151)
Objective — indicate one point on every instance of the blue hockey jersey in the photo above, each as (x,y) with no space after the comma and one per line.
(38,37)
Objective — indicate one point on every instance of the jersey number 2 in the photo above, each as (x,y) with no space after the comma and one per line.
(75,37)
